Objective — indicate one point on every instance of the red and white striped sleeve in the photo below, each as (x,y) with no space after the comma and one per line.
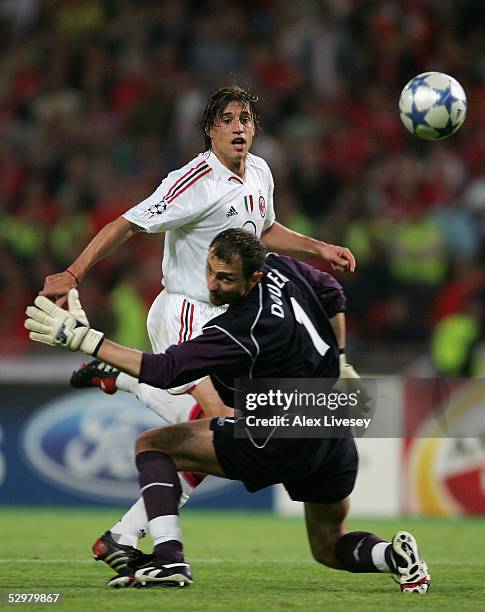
(180,199)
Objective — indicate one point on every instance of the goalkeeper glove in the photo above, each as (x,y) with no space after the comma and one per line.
(55,326)
(349,381)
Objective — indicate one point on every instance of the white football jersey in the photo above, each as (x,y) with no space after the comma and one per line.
(194,204)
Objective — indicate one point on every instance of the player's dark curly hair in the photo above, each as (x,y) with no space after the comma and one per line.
(236,242)
(218,101)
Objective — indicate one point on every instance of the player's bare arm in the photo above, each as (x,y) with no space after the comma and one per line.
(130,360)
(210,401)
(125,359)
(106,241)
(280,238)
(70,329)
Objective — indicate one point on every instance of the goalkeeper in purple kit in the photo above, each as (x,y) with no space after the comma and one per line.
(251,339)
(224,187)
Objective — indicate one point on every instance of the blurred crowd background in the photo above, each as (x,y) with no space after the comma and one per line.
(99,100)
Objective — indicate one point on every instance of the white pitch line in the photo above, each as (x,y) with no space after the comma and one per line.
(40,561)
(192,560)
(434,562)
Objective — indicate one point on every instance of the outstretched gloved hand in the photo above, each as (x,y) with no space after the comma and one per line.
(55,326)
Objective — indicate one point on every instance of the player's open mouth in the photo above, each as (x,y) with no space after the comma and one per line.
(238,142)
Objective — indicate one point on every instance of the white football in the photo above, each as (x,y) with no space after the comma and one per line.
(433,105)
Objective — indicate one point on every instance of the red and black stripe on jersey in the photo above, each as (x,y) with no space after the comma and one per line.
(181,184)
(186,180)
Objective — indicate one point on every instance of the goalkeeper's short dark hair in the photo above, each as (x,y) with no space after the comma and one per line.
(218,101)
(237,243)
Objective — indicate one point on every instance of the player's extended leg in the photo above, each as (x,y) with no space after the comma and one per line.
(333,546)
(171,319)
(189,445)
(325,524)
(160,454)
(118,545)
(362,551)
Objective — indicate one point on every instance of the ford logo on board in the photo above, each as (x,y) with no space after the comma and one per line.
(84,442)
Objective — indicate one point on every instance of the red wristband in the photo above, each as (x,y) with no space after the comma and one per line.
(73,275)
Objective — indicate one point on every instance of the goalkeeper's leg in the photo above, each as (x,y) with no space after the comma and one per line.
(134,523)
(164,329)
(362,551)
(118,545)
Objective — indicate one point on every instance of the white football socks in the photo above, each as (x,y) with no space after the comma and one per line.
(133,525)
(165,528)
(170,408)
(378,554)
(125,382)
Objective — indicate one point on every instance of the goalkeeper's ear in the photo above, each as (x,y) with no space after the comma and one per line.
(74,306)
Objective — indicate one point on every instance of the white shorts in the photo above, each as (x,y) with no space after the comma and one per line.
(174,318)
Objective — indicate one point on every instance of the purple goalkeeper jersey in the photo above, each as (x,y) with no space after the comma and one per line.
(279,330)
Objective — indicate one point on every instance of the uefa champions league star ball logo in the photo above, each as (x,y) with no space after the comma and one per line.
(155,209)
(262,207)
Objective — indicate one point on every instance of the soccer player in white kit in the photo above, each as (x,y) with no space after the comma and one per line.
(224,187)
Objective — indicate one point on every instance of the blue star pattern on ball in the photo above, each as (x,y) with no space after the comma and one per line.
(418,117)
(433,105)
(419,81)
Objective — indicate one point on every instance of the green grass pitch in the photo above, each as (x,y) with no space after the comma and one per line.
(241,561)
